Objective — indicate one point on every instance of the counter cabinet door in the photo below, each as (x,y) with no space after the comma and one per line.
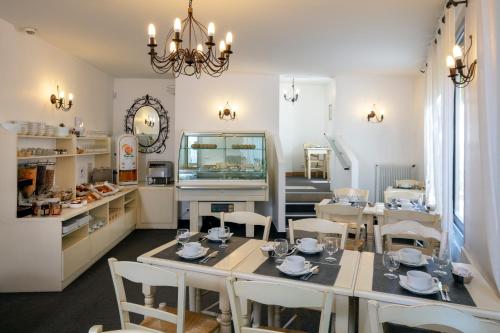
(156,207)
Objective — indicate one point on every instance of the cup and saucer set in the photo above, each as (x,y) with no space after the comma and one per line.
(309,245)
(213,234)
(295,266)
(412,257)
(419,282)
(192,250)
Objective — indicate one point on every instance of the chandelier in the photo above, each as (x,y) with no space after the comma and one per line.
(295,94)
(196,55)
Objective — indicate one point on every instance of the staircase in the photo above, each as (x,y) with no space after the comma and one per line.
(301,196)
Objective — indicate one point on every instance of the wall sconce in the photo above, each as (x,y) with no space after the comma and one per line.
(461,73)
(58,100)
(373,114)
(227,113)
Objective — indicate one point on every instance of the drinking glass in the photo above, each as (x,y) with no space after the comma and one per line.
(224,234)
(183,236)
(441,259)
(331,247)
(280,249)
(391,263)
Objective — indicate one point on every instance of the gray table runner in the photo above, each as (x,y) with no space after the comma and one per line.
(458,292)
(233,244)
(327,271)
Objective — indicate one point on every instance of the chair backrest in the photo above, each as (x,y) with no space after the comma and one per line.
(346,192)
(320,226)
(409,182)
(340,213)
(427,219)
(447,318)
(249,218)
(147,275)
(276,294)
(406,230)
(402,194)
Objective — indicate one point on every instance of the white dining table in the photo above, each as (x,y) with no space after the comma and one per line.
(208,277)
(484,297)
(343,288)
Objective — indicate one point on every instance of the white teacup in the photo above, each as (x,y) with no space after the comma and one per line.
(191,249)
(410,255)
(344,200)
(420,280)
(295,263)
(308,244)
(213,232)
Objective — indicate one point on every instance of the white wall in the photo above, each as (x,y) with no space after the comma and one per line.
(304,121)
(398,139)
(254,96)
(126,92)
(30,70)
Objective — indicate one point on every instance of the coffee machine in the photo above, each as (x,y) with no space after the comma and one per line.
(160,173)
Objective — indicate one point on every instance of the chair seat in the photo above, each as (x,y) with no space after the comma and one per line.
(194,322)
(279,329)
(354,244)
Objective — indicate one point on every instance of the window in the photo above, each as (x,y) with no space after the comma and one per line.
(459,150)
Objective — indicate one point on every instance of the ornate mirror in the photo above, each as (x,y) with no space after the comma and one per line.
(148,120)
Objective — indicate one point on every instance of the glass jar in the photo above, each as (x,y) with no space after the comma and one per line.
(55,206)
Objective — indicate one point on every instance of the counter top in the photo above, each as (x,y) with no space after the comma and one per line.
(68,213)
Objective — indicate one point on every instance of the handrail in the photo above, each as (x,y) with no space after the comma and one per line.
(339,152)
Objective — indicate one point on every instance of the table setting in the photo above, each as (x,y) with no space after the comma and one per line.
(408,272)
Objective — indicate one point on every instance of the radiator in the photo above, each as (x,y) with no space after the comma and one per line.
(386,175)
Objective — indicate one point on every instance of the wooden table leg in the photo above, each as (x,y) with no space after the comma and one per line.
(192,299)
(342,314)
(277,316)
(194,219)
(249,229)
(224,318)
(363,316)
(256,314)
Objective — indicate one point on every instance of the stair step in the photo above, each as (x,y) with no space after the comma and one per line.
(299,209)
(302,202)
(300,214)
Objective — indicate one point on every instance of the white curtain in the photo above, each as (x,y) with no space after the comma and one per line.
(439,125)
(482,209)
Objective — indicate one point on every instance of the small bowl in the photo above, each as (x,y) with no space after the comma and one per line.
(461,279)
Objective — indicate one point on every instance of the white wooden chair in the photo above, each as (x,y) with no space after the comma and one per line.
(320,226)
(445,318)
(409,182)
(399,194)
(427,219)
(315,162)
(248,218)
(347,192)
(99,329)
(276,294)
(163,319)
(352,216)
(406,230)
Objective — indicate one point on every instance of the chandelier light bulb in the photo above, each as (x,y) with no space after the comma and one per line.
(173,47)
(450,62)
(177,25)
(211,29)
(199,48)
(61,94)
(457,52)
(229,38)
(151,30)
(222,46)
(70,97)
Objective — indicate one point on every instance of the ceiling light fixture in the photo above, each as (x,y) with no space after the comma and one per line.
(193,58)
(373,114)
(295,94)
(461,73)
(58,100)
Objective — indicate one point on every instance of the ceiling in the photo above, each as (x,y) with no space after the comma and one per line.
(313,37)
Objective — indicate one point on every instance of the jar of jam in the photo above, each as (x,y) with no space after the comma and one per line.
(45,209)
(55,206)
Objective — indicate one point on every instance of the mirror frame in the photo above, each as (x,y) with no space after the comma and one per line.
(159,145)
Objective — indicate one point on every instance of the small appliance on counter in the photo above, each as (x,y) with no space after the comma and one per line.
(126,159)
(160,173)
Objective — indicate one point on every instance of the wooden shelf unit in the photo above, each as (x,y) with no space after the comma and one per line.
(37,256)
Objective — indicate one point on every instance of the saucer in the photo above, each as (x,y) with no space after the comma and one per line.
(403,283)
(318,249)
(423,262)
(217,239)
(307,269)
(203,251)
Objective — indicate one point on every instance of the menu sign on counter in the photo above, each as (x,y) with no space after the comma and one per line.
(127,159)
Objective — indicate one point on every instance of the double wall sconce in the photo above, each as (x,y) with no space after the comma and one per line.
(461,73)
(226,113)
(58,100)
(373,115)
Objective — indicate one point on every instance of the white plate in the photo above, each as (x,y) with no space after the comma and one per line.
(318,249)
(203,252)
(216,239)
(423,262)
(404,285)
(306,270)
